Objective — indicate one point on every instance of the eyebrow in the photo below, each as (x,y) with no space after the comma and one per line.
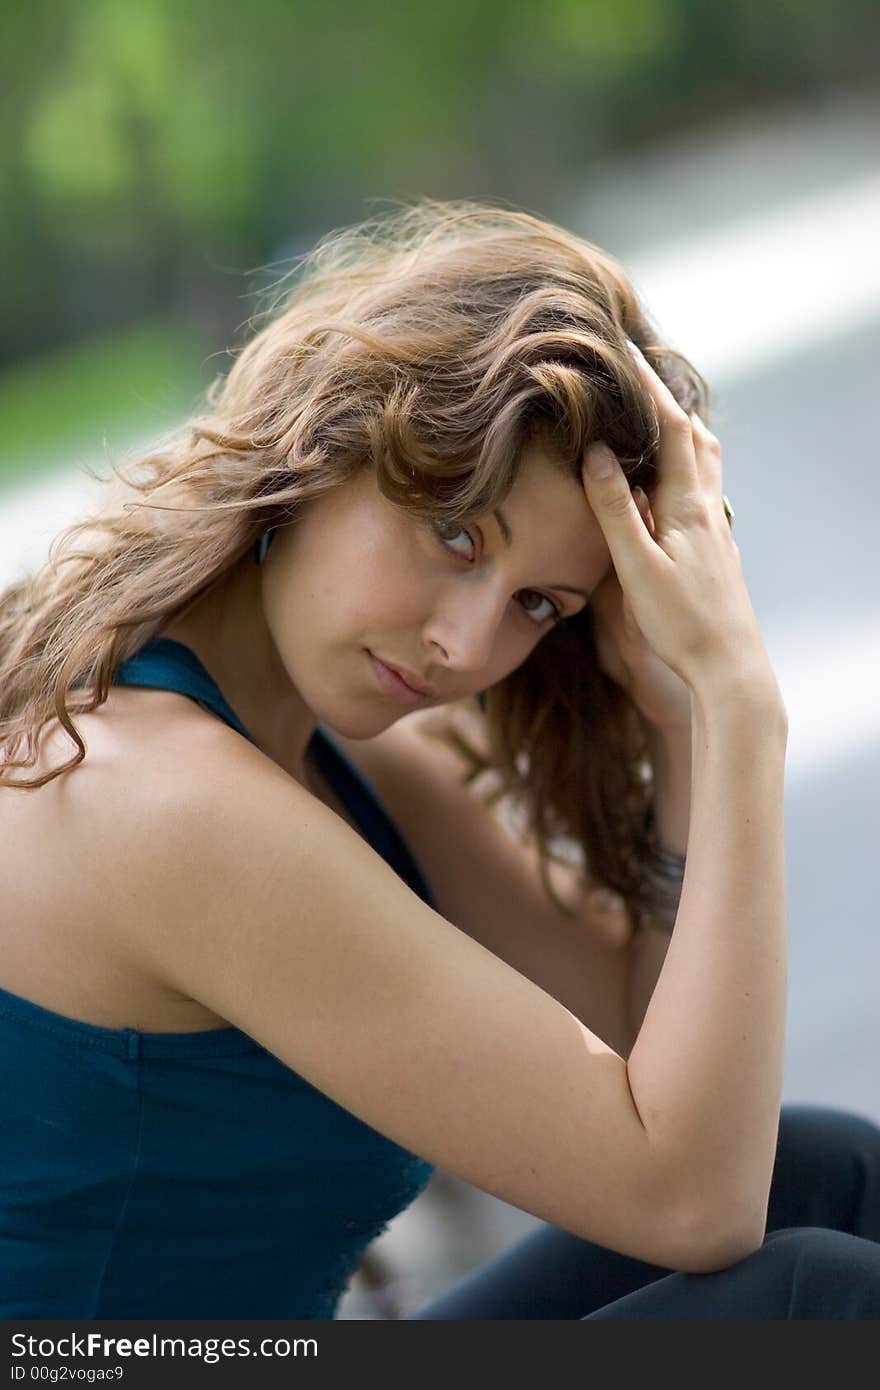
(507,535)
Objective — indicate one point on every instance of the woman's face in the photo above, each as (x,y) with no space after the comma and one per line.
(356,581)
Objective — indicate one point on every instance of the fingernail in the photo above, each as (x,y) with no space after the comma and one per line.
(600,462)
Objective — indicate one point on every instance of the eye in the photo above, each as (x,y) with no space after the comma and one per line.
(555,612)
(446,532)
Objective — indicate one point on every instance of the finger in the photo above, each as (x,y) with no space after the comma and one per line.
(707,448)
(676,459)
(615,509)
(644,506)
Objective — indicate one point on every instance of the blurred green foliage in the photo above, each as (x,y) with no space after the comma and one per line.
(97,392)
(153,156)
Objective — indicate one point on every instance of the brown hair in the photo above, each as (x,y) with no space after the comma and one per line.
(433,341)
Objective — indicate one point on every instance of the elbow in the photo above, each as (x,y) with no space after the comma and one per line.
(716,1239)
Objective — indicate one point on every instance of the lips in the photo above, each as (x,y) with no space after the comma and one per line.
(414,682)
(404,681)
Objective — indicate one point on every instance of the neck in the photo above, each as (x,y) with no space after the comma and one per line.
(227,630)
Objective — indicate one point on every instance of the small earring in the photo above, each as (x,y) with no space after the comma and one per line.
(263,544)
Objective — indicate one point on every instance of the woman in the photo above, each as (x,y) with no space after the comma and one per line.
(247,1005)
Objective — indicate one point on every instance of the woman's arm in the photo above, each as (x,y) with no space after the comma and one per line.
(266,906)
(706,1066)
(670,754)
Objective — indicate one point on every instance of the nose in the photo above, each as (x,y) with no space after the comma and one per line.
(464,626)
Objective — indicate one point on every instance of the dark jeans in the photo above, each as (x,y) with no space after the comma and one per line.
(820,1258)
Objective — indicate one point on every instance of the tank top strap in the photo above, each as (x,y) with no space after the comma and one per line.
(170,665)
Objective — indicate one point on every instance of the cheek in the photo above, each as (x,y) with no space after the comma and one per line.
(376,579)
(514,644)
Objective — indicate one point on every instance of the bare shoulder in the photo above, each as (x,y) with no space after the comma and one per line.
(85,851)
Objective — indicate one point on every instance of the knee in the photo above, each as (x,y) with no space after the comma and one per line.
(817,1261)
(824,1147)
(813,1243)
(828,1128)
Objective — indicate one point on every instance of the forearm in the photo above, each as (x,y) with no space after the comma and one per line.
(706,1067)
(670,754)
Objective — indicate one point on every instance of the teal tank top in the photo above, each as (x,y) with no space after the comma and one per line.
(186,1175)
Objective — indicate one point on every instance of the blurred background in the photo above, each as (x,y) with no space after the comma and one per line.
(159,163)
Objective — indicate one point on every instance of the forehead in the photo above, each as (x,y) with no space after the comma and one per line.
(547,510)
(555,539)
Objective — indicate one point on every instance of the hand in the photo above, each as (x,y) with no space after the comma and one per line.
(661,697)
(683,583)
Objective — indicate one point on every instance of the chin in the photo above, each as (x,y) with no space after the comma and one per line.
(357,730)
(357,723)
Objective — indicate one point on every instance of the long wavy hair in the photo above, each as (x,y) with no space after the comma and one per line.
(432,341)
